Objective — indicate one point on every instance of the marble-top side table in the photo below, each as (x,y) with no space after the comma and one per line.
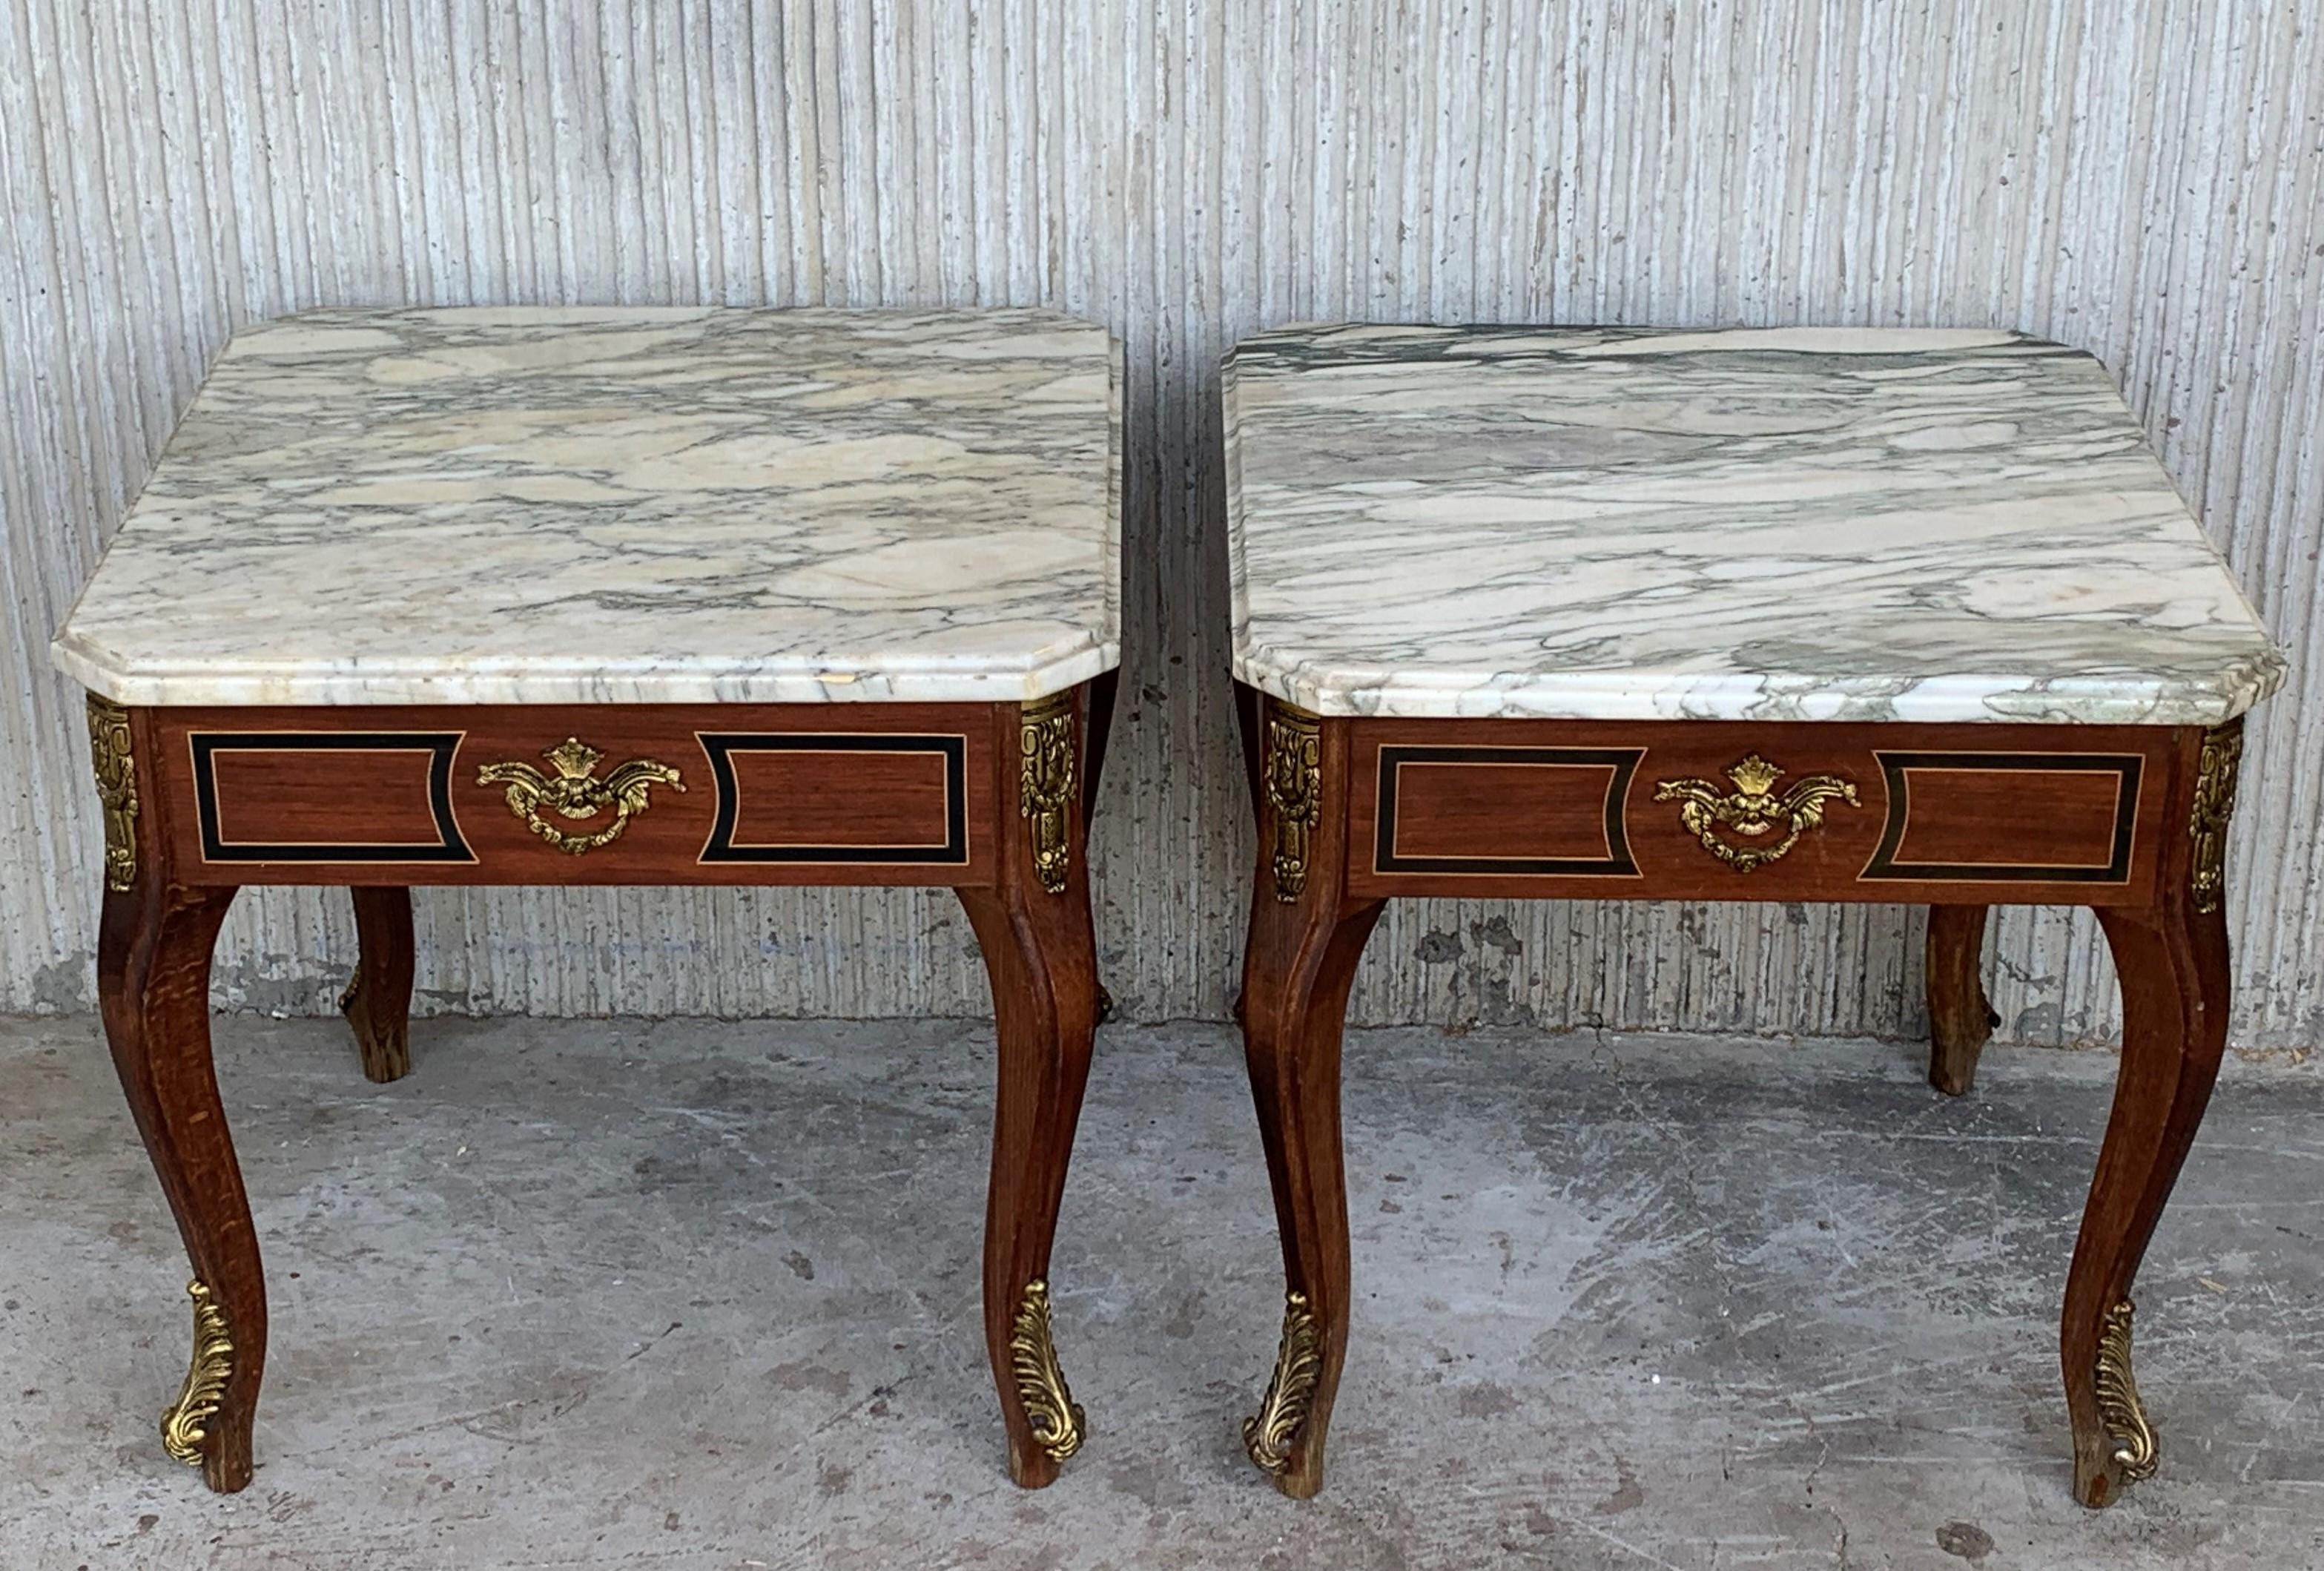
(1770,615)
(609,596)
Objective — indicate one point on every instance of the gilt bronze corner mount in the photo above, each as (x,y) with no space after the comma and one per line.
(110,750)
(2215,804)
(1044,745)
(1295,792)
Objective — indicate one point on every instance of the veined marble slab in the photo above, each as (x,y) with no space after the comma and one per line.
(1797,524)
(585,505)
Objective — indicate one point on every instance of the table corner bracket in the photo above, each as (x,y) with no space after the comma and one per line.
(1295,793)
(2215,804)
(1044,745)
(112,755)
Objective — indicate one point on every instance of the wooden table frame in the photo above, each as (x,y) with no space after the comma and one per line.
(991,800)
(2129,820)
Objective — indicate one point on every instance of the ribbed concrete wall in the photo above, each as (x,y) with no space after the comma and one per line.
(2142,178)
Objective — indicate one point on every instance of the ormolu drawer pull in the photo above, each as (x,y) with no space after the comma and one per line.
(1751,811)
(575,794)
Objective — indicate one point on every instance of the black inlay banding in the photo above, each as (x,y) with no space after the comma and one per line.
(722,747)
(2126,767)
(440,745)
(1617,864)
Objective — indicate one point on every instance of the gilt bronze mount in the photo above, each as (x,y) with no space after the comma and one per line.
(575,793)
(1045,791)
(116,762)
(1752,811)
(2137,1451)
(1058,1421)
(1295,792)
(2215,804)
(184,1421)
(1267,1434)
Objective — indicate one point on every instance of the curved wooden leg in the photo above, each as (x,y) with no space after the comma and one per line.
(153,966)
(1960,1019)
(1307,937)
(377,1001)
(1295,999)
(1042,957)
(2174,966)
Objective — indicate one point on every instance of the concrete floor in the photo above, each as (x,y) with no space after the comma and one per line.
(690,1294)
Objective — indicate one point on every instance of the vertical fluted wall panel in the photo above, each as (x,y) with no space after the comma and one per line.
(2140,178)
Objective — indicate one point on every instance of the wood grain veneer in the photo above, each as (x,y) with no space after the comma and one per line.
(2017,813)
(771,794)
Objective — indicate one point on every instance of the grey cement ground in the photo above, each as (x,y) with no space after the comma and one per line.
(689,1294)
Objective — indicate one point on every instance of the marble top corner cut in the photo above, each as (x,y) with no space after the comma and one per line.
(623,505)
(1802,524)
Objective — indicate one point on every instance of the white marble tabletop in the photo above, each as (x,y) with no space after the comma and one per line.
(1802,524)
(623,505)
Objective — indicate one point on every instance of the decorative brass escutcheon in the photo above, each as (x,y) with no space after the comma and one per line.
(184,1421)
(573,792)
(1267,1434)
(1752,811)
(1058,1419)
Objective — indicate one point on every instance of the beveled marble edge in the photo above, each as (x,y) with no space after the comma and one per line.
(1953,699)
(1646,694)
(467,683)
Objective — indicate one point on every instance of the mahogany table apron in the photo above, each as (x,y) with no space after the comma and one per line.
(2129,820)
(991,800)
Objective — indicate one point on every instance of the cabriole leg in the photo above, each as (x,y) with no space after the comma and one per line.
(377,1001)
(1034,928)
(153,964)
(1960,1019)
(2175,984)
(2172,963)
(1306,938)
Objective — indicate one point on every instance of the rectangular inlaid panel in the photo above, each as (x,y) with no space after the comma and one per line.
(805,797)
(320,796)
(1503,809)
(2022,816)
(604,794)
(1791,810)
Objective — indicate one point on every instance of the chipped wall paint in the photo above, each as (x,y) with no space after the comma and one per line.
(2143,179)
